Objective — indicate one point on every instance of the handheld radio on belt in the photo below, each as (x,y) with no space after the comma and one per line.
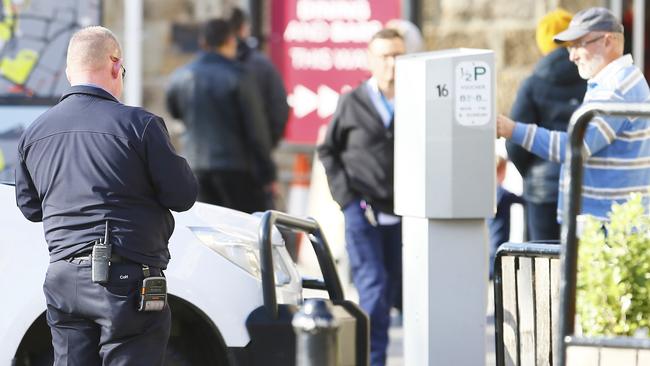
(153,293)
(101,257)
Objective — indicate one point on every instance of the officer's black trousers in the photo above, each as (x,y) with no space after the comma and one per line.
(95,324)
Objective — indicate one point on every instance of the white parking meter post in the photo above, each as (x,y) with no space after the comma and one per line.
(445,189)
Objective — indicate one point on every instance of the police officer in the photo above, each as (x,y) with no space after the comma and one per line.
(89,165)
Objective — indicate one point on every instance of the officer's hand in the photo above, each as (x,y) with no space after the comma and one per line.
(505,126)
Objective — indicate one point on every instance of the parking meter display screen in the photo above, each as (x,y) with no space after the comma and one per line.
(34,38)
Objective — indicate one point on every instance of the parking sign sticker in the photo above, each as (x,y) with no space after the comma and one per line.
(473,99)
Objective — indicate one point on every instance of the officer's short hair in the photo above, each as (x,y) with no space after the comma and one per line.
(215,32)
(91,47)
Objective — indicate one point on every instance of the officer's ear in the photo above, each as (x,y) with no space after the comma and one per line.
(115,67)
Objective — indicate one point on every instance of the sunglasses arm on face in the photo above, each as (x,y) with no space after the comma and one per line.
(583,43)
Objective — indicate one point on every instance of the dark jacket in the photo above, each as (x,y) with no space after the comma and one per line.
(270,86)
(223,115)
(499,225)
(358,153)
(90,159)
(547,98)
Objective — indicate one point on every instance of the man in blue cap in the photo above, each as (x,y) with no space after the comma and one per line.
(616,149)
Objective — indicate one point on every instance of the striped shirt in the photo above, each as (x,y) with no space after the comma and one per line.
(616,149)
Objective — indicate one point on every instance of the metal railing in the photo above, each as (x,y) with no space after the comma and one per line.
(564,317)
(271,314)
(331,281)
(569,254)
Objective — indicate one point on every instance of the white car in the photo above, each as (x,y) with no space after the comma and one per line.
(224,269)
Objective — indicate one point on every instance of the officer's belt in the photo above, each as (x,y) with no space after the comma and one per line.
(115,258)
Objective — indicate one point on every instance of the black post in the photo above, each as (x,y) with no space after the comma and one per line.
(498,310)
(266,265)
(412,11)
(256,10)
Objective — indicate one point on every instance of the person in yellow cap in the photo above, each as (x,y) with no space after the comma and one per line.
(550,25)
(547,98)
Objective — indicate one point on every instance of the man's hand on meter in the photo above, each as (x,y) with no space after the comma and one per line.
(505,126)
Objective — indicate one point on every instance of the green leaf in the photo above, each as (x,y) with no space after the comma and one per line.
(613,289)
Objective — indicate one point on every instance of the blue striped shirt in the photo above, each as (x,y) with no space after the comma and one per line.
(616,149)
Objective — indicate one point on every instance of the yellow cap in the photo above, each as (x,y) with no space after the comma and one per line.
(550,25)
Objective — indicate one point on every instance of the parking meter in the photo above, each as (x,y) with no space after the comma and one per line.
(445,184)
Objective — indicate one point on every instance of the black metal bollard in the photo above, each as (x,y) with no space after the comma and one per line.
(316,334)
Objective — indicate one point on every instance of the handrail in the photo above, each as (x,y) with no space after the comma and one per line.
(569,252)
(316,237)
(608,342)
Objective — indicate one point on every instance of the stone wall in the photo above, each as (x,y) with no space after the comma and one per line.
(505,26)
(160,54)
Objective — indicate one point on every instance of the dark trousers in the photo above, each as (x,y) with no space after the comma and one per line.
(233,189)
(542,221)
(376,262)
(95,324)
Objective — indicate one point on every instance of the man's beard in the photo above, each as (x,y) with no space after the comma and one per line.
(587,70)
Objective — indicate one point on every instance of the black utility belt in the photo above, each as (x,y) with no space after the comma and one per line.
(88,257)
(153,291)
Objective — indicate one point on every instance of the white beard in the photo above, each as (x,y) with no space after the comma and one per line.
(587,70)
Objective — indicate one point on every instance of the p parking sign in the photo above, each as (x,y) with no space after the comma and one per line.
(473,93)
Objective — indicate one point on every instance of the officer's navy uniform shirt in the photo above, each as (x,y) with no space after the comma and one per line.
(91,158)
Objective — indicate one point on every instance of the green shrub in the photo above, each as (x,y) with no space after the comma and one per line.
(613,293)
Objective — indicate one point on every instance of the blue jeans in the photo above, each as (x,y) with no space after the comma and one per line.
(376,262)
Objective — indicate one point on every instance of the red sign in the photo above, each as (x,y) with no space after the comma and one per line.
(320,48)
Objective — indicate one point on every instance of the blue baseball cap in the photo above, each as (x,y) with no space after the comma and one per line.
(589,20)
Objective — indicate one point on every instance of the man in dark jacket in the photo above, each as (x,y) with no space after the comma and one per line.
(227,140)
(358,158)
(267,78)
(91,164)
(547,98)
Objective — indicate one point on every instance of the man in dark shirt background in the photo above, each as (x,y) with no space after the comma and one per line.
(266,76)
(91,164)
(227,140)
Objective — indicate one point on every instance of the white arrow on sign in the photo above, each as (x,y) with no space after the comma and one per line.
(327,99)
(304,101)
